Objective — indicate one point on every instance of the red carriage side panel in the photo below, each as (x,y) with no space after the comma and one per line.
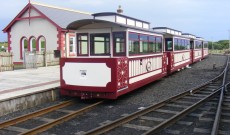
(93,77)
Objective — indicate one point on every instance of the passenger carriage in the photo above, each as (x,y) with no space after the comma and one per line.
(115,55)
(205,49)
(177,48)
(196,47)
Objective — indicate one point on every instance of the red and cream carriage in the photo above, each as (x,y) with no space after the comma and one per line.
(115,55)
(177,48)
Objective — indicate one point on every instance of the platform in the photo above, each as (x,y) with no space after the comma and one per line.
(25,81)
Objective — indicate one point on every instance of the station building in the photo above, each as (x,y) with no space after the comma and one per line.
(40,27)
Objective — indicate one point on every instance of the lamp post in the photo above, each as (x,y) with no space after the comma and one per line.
(229,40)
(212,46)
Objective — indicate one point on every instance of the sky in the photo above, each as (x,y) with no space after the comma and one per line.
(209,19)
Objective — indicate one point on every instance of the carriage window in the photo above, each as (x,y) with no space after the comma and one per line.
(205,45)
(187,44)
(119,43)
(82,42)
(198,44)
(169,44)
(176,46)
(158,44)
(72,45)
(144,44)
(152,44)
(133,43)
(100,44)
(181,44)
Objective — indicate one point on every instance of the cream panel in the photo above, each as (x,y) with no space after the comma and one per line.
(106,18)
(197,54)
(136,68)
(86,74)
(121,20)
(145,25)
(181,58)
(205,52)
(160,30)
(178,57)
(36,28)
(139,24)
(130,22)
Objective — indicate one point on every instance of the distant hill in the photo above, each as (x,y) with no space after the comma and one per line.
(219,45)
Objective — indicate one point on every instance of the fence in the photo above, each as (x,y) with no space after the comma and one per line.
(40,59)
(6,61)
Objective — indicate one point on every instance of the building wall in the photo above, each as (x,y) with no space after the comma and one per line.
(32,28)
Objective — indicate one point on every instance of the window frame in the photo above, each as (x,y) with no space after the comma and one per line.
(182,44)
(92,49)
(147,39)
(132,39)
(77,43)
(166,44)
(161,44)
(114,44)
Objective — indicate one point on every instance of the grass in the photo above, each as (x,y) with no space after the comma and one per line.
(225,51)
(5,44)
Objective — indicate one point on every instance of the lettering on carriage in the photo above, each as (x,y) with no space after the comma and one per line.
(148,66)
(83,73)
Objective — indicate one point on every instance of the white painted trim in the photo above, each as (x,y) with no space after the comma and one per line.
(182,62)
(148,55)
(143,32)
(144,76)
(122,89)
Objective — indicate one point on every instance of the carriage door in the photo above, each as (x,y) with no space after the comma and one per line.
(169,50)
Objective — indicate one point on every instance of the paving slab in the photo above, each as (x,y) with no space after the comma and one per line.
(26,81)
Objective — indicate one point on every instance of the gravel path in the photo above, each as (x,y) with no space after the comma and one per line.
(150,94)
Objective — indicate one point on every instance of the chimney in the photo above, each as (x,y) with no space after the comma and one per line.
(119,10)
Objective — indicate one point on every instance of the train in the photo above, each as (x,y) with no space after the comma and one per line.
(116,54)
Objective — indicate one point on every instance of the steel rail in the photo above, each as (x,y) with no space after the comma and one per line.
(181,114)
(49,125)
(219,109)
(34,114)
(118,122)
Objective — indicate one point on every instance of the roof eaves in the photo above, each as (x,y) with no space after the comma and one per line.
(60,8)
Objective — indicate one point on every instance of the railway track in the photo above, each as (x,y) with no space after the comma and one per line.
(47,123)
(224,121)
(156,118)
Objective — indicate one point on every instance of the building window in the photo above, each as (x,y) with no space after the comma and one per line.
(23,47)
(100,44)
(32,44)
(82,43)
(41,44)
(119,43)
